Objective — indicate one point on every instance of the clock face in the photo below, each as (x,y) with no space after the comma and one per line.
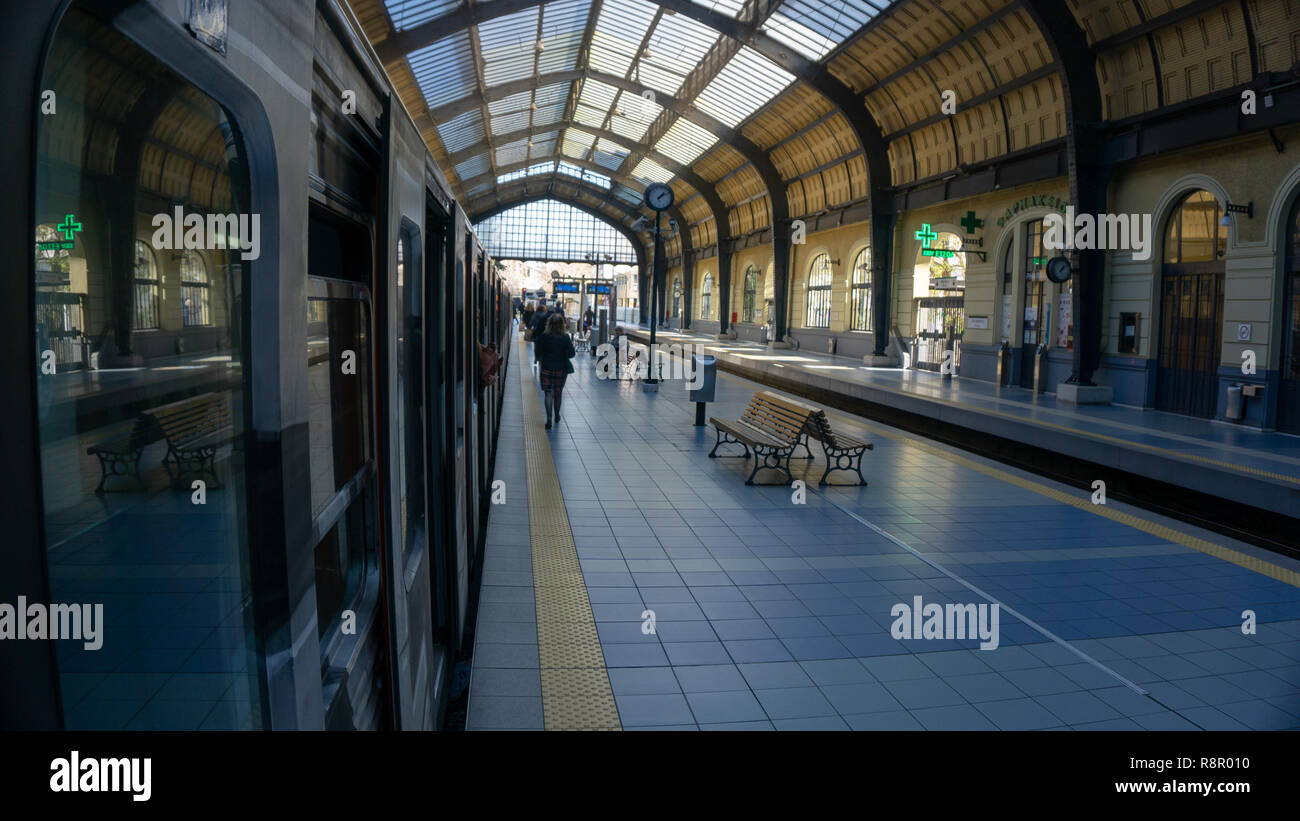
(1058,269)
(659,196)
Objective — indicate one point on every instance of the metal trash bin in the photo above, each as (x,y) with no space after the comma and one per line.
(1236,402)
(706,378)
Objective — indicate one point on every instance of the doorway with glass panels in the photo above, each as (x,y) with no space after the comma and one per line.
(1191,307)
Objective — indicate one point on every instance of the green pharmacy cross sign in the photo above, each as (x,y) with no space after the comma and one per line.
(69,227)
(925,235)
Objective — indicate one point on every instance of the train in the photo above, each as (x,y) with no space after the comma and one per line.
(250,411)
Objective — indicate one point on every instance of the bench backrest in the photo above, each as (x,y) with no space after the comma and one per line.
(193,417)
(818,425)
(776,417)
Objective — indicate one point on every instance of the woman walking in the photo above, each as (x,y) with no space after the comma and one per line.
(553,350)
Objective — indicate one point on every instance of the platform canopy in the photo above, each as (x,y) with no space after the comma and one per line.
(762,111)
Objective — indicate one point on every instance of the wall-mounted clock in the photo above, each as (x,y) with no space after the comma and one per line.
(1059,269)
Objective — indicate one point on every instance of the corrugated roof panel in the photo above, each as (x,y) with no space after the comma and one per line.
(731,8)
(746,83)
(444,69)
(685,141)
(633,114)
(509,46)
(814,29)
(563,24)
(620,28)
(473,167)
(651,171)
(673,51)
(461,132)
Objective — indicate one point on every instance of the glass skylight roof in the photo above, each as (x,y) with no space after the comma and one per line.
(444,69)
(508,45)
(673,51)
(408,13)
(815,27)
(461,132)
(576,143)
(651,171)
(473,167)
(685,141)
(563,24)
(620,28)
(634,40)
(747,82)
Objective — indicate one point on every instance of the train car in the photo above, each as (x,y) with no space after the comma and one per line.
(250,412)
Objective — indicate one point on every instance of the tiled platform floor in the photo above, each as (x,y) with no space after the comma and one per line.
(776,615)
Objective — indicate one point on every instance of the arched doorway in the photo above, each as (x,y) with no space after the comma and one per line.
(1288,406)
(1036,322)
(1191,307)
(939,293)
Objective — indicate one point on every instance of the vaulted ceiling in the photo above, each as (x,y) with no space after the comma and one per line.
(756,108)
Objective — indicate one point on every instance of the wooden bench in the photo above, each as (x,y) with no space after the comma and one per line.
(120,455)
(195,429)
(842,452)
(773,429)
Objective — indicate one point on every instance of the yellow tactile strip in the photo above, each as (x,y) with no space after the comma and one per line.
(576,694)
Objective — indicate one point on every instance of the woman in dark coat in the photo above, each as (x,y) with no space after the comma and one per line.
(553,350)
(528,316)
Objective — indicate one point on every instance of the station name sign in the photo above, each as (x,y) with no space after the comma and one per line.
(1036,201)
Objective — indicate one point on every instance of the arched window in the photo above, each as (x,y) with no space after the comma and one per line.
(819,292)
(196,300)
(1193,233)
(706,297)
(860,296)
(148,287)
(751,292)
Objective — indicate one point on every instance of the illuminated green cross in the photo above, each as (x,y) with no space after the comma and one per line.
(68,227)
(925,235)
(970,223)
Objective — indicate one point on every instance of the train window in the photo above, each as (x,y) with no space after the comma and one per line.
(142,431)
(338,422)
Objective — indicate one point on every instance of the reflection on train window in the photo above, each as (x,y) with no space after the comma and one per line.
(141,407)
(338,386)
(195,304)
(409,424)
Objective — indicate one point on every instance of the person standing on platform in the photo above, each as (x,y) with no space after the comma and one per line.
(528,317)
(554,352)
(539,321)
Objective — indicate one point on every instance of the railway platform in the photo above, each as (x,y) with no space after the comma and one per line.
(631,582)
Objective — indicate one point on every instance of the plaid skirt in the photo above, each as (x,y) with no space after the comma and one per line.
(553,380)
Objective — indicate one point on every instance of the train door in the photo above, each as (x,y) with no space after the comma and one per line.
(1288,409)
(459,418)
(483,324)
(438,432)
(1191,308)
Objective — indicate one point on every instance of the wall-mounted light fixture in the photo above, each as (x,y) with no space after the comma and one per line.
(1230,208)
